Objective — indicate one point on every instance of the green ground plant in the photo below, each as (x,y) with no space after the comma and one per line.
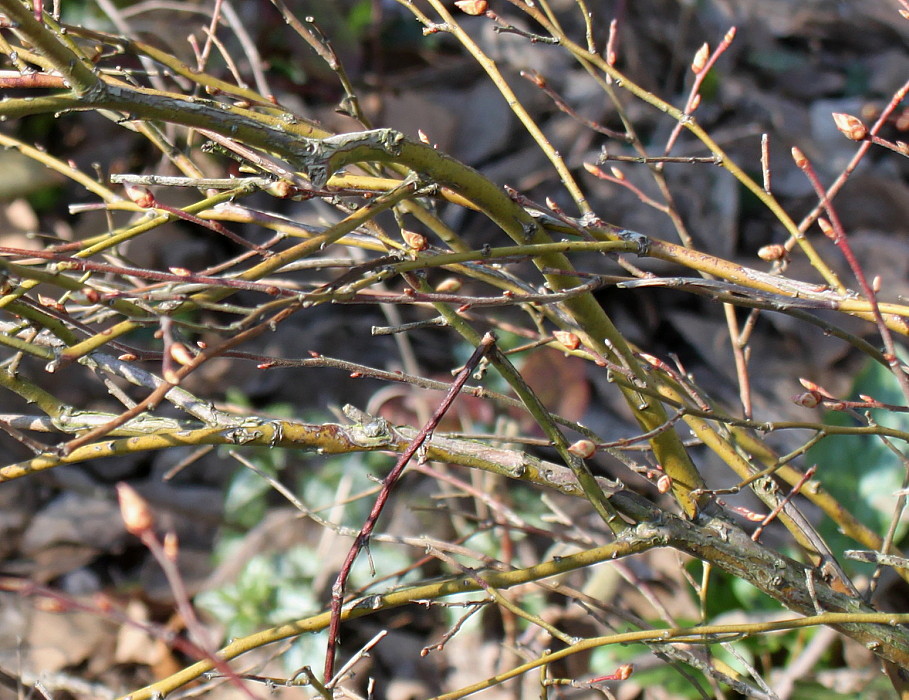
(525,516)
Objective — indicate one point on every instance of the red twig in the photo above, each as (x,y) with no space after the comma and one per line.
(362,539)
(835,231)
(701,66)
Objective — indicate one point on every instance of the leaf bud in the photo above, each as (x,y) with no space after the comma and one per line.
(415,241)
(448,285)
(180,354)
(774,251)
(140,196)
(568,339)
(700,58)
(134,510)
(851,127)
(585,449)
(809,399)
(472,7)
(826,228)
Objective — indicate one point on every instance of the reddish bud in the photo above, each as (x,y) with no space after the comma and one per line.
(749,515)
(700,58)
(171,545)
(585,449)
(594,170)
(103,602)
(695,102)
(664,483)
(448,285)
(568,339)
(534,77)
(800,160)
(423,137)
(282,189)
(141,196)
(817,388)
(810,399)
(617,174)
(51,303)
(472,7)
(774,251)
(180,354)
(51,605)
(127,357)
(851,127)
(180,271)
(622,673)
(134,510)
(414,241)
(826,228)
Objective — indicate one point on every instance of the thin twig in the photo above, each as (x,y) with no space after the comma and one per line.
(362,539)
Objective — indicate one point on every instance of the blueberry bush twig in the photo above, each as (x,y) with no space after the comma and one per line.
(80,308)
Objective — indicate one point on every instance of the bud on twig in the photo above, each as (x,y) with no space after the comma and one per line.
(622,673)
(51,303)
(700,58)
(775,251)
(585,449)
(282,189)
(134,510)
(415,241)
(472,7)
(171,545)
(851,127)
(826,228)
(594,170)
(800,160)
(140,196)
(180,354)
(448,285)
(810,399)
(568,339)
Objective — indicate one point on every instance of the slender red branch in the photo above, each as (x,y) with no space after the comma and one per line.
(362,539)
